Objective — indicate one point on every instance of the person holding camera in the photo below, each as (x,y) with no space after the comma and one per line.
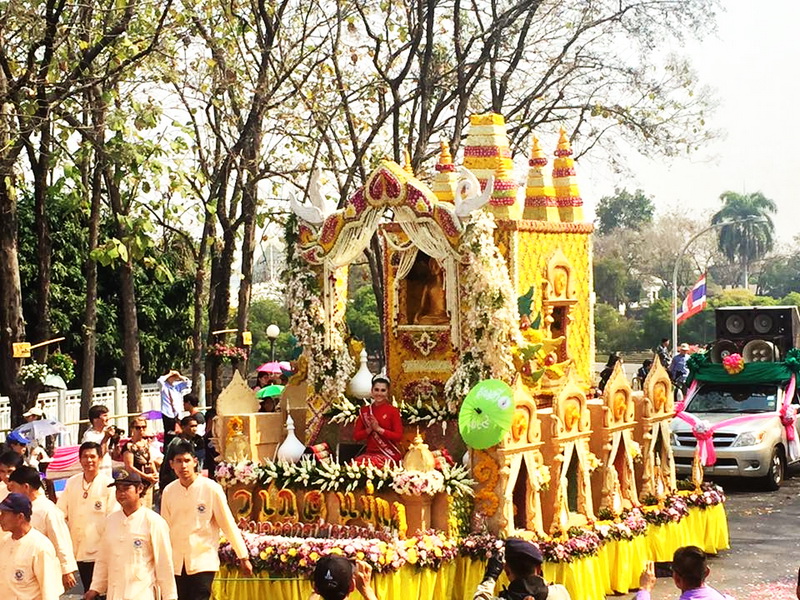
(335,578)
(522,563)
(101,433)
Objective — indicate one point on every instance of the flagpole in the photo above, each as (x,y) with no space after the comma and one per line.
(678,263)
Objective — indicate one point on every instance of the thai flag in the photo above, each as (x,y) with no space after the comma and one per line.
(695,301)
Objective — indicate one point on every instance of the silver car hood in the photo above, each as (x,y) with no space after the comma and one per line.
(764,421)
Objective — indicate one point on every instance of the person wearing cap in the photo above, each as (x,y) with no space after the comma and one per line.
(32,454)
(689,573)
(196,510)
(335,578)
(522,563)
(10,461)
(47,518)
(35,413)
(679,369)
(86,502)
(29,569)
(380,425)
(173,387)
(135,557)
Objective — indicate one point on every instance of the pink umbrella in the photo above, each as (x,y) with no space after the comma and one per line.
(270,367)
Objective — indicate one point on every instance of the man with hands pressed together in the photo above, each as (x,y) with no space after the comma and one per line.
(196,510)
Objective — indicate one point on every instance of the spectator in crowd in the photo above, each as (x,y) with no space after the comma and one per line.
(86,501)
(663,352)
(101,433)
(29,568)
(31,454)
(689,573)
(196,510)
(136,458)
(644,369)
(335,578)
(522,563)
(190,407)
(173,387)
(605,374)
(9,462)
(36,413)
(679,369)
(47,518)
(135,557)
(188,434)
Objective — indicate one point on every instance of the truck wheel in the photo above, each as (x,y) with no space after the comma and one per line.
(777,466)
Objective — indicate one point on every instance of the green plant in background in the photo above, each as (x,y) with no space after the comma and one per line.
(62,365)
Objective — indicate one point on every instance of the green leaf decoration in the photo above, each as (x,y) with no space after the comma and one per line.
(524,302)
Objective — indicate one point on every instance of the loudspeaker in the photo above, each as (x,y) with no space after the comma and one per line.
(759,351)
(779,325)
(723,348)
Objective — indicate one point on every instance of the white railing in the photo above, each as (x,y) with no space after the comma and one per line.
(65,405)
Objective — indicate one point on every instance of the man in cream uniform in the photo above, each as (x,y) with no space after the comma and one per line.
(196,510)
(47,519)
(86,502)
(135,558)
(29,569)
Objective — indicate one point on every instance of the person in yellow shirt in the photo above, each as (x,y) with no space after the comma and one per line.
(135,557)
(29,569)
(47,519)
(86,502)
(9,462)
(196,510)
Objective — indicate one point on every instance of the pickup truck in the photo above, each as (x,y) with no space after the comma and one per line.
(757,448)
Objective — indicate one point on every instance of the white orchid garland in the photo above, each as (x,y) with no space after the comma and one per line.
(490,313)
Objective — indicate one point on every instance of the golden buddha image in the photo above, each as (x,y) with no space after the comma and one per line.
(426,302)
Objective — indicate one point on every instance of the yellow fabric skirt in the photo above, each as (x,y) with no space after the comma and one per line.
(615,568)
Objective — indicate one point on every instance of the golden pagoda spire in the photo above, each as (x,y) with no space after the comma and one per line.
(540,201)
(444,184)
(565,183)
(407,166)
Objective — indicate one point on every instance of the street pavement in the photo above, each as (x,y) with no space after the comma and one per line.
(763,560)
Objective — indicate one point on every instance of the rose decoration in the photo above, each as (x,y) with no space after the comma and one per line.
(733,364)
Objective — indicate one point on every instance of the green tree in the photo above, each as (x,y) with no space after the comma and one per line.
(263,313)
(624,210)
(362,319)
(753,237)
(615,332)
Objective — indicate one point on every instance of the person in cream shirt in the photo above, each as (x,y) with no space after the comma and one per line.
(86,501)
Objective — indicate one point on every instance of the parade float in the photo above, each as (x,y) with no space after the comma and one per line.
(484,284)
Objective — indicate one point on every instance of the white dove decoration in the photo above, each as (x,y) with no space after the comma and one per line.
(320,207)
(468,196)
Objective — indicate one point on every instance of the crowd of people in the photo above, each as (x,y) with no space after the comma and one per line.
(677,366)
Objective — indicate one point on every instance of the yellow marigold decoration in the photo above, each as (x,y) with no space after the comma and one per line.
(235,425)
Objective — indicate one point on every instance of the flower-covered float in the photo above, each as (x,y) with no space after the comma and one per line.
(482,281)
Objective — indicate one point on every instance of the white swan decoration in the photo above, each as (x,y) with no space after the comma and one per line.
(468,196)
(320,207)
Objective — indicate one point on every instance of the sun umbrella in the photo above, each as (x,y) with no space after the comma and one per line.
(486,414)
(286,367)
(269,391)
(55,381)
(40,429)
(270,367)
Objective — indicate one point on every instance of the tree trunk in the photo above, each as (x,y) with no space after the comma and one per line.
(12,324)
(199,289)
(40,167)
(219,305)
(130,343)
(249,206)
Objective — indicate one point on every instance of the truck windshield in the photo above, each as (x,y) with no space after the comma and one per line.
(734,399)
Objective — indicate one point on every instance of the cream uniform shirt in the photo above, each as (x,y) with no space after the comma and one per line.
(135,558)
(50,521)
(29,569)
(86,517)
(195,516)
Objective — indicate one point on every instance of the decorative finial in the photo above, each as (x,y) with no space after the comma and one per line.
(407,167)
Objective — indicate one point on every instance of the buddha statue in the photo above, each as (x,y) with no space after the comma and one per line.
(433,303)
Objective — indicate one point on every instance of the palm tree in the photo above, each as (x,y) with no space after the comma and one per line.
(753,236)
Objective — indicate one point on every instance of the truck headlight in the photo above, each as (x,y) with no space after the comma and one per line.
(749,438)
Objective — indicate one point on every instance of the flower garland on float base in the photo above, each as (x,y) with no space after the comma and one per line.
(284,555)
(489,312)
(329,371)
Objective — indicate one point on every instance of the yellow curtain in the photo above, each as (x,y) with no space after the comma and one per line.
(616,568)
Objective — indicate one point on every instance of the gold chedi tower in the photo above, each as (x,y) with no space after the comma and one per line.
(486,154)
(565,183)
(540,198)
(444,184)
